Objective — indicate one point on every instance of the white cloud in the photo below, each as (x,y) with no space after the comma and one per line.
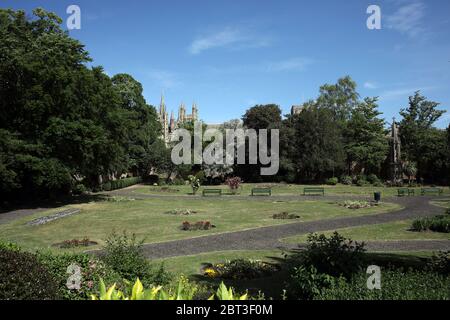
(226,38)
(408,19)
(293,64)
(403,92)
(164,79)
(370,85)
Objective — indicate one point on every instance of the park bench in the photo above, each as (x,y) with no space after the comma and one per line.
(213,192)
(262,191)
(405,192)
(314,191)
(425,191)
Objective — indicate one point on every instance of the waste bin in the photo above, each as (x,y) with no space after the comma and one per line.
(377,196)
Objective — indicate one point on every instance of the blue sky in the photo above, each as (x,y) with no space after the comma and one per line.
(229,55)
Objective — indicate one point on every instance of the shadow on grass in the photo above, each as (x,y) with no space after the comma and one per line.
(52,203)
(273,286)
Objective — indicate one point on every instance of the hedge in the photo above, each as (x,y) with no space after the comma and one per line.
(120,184)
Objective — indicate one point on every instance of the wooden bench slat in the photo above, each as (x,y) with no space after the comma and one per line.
(262,191)
(212,192)
(424,191)
(314,190)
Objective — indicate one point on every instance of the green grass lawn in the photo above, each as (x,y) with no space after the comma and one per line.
(277,189)
(398,230)
(443,203)
(147,218)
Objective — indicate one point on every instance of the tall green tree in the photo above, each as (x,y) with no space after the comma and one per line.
(142,137)
(62,122)
(365,136)
(318,143)
(340,98)
(259,117)
(421,142)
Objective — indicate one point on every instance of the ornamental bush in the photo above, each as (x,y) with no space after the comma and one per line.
(347,180)
(195,183)
(335,256)
(332,181)
(91,270)
(440,223)
(123,253)
(306,283)
(395,285)
(23,277)
(234,183)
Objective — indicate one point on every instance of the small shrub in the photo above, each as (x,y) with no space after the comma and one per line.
(361,183)
(195,183)
(373,179)
(234,183)
(306,283)
(347,180)
(335,256)
(91,270)
(332,181)
(123,253)
(440,223)
(79,189)
(285,215)
(440,263)
(23,277)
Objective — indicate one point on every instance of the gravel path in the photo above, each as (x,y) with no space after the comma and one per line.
(268,237)
(9,216)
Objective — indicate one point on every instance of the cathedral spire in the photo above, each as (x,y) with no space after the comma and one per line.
(162,106)
(194,111)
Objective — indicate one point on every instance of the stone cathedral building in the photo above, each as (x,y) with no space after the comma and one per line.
(170,124)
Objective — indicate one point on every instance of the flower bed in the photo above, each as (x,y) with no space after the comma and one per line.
(181,212)
(285,216)
(357,204)
(199,225)
(240,269)
(74,243)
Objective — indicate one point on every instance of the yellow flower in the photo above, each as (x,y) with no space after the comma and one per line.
(210,272)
